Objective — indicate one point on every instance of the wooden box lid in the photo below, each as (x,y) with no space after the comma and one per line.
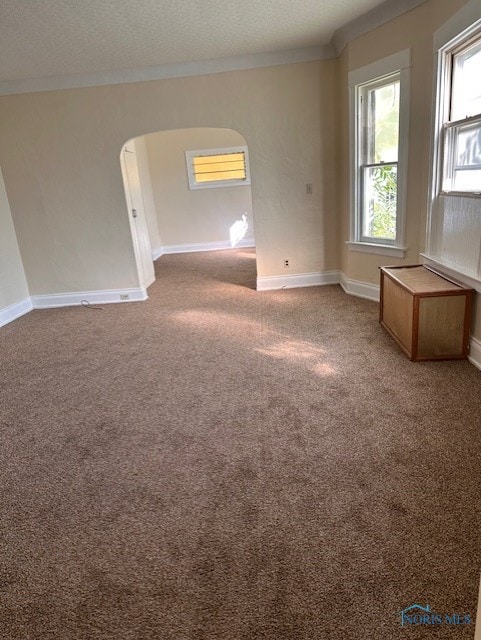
(419,279)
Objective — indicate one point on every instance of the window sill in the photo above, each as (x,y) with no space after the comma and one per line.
(461,194)
(378,249)
(219,185)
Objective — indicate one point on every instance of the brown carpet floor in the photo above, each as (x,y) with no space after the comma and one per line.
(223,464)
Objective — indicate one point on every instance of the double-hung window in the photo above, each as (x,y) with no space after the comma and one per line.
(378,159)
(461,162)
(379,108)
(453,238)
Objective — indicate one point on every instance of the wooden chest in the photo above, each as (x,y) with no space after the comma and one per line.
(426,313)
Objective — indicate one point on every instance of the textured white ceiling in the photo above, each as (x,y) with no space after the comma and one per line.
(44,38)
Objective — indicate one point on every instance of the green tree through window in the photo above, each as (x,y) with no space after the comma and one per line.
(380,144)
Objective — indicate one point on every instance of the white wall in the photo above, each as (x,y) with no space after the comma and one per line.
(413,30)
(60,153)
(198,216)
(13,284)
(454,229)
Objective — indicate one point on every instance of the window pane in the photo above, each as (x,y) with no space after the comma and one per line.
(380,202)
(229,166)
(469,181)
(468,145)
(219,157)
(462,162)
(383,123)
(466,94)
(214,176)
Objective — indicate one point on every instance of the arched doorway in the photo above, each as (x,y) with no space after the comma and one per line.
(175,217)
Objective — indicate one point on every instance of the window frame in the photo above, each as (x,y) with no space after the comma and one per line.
(216,184)
(458,29)
(360,80)
(363,164)
(446,140)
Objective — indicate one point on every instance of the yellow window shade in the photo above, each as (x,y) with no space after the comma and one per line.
(214,168)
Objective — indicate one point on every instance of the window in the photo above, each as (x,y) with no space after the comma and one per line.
(212,168)
(379,127)
(453,229)
(378,159)
(461,161)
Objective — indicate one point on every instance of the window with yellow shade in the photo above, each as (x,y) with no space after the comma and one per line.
(211,168)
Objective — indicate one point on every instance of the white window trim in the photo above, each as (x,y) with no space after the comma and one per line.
(442,98)
(189,155)
(378,249)
(398,62)
(459,28)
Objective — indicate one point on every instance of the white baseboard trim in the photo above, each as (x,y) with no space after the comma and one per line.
(360,289)
(474,356)
(94,297)
(203,246)
(246,243)
(269,283)
(156,253)
(14,311)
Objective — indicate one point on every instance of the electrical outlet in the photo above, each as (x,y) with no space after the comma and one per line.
(124,296)
(309,190)
(286,262)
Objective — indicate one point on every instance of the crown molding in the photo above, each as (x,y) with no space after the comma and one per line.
(162,72)
(468,16)
(375,18)
(370,20)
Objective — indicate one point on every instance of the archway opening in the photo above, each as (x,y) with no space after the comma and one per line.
(168,214)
